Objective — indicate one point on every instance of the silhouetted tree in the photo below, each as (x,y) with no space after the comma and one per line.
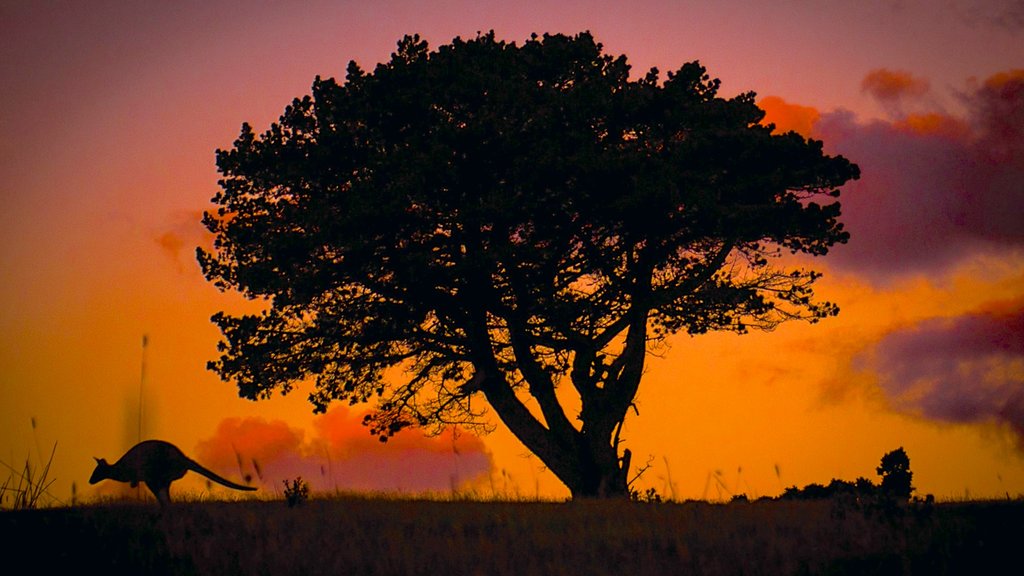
(499,220)
(896,474)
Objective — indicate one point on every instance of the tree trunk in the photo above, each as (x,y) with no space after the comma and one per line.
(586,460)
(589,466)
(602,479)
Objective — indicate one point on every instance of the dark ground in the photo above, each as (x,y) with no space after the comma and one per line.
(381,536)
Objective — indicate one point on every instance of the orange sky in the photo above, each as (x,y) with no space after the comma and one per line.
(111,113)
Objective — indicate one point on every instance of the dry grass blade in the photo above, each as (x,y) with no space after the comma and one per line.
(27,487)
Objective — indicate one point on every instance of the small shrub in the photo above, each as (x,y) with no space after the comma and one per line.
(296,492)
(649,496)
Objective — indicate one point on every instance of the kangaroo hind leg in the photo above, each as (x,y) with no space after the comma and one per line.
(162,491)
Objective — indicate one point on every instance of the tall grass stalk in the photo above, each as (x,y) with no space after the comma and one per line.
(26,488)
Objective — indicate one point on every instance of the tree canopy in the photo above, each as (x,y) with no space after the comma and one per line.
(501,221)
(896,475)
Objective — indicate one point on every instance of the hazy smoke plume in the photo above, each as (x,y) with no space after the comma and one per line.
(340,454)
(182,233)
(894,89)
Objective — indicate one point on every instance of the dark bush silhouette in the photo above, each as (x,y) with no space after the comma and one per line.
(896,475)
(296,492)
(895,484)
(861,488)
(498,220)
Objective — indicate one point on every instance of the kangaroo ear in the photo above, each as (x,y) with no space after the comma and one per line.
(97,460)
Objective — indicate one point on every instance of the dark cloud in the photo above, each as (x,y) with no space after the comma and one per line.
(1011,17)
(998,108)
(968,369)
(340,454)
(1007,15)
(934,189)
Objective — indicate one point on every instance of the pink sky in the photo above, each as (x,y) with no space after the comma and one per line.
(112,111)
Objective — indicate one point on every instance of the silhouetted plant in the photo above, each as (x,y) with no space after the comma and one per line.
(865,487)
(296,492)
(811,491)
(860,489)
(25,489)
(499,219)
(648,496)
(896,475)
(885,502)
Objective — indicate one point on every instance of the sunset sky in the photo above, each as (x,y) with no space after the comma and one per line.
(110,113)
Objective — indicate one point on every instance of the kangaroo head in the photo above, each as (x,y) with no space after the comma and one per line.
(101,472)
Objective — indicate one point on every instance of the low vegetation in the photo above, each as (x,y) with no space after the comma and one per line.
(895,486)
(380,536)
(27,487)
(842,528)
(296,492)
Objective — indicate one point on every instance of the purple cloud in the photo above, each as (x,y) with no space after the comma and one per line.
(934,189)
(968,369)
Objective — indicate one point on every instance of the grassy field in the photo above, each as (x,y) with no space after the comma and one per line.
(382,536)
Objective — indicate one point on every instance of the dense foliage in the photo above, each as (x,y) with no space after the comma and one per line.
(500,220)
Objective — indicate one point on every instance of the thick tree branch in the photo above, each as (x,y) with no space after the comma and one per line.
(541,386)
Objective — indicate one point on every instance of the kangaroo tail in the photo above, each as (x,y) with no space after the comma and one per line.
(196,467)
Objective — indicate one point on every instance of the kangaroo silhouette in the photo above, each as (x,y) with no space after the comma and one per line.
(155,463)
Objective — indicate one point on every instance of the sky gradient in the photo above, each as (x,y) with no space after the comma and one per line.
(111,113)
